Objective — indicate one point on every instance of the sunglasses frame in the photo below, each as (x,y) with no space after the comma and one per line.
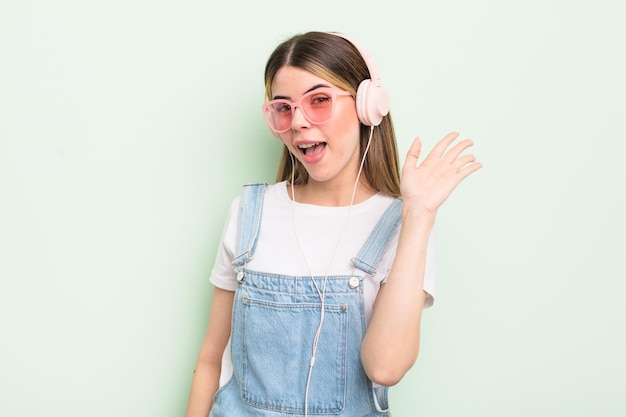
(333,92)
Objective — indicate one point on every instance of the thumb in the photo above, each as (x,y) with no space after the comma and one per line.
(413,154)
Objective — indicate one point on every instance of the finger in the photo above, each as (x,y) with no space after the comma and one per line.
(469,169)
(457,149)
(462,161)
(413,154)
(443,144)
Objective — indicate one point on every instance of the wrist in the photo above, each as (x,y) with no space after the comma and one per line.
(417,212)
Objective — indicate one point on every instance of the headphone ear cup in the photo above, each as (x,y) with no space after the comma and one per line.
(361,98)
(372,103)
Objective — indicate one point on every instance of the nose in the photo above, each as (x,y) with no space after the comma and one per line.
(298,120)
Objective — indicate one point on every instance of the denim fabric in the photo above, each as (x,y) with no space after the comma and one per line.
(275,318)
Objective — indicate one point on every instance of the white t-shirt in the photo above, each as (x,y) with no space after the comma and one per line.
(302,239)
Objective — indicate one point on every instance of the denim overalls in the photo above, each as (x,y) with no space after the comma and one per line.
(274,321)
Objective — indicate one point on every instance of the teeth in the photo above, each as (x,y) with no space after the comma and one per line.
(308,145)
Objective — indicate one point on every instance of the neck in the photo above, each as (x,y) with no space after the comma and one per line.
(332,194)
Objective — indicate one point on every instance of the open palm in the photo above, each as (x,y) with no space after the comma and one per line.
(427,185)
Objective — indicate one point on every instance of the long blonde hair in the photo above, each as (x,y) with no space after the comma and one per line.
(338,61)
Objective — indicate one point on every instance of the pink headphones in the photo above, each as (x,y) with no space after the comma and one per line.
(372,101)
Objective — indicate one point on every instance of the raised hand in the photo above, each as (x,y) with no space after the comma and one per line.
(426,186)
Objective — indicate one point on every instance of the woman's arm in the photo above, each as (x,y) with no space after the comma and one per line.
(207,374)
(391,343)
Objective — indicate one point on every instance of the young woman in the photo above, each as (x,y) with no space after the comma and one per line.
(321,278)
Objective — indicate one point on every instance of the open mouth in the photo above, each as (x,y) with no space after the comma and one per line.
(312,148)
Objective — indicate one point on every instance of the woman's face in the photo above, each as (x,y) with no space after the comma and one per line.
(328,151)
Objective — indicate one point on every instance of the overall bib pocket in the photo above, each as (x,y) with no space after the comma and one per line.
(276,353)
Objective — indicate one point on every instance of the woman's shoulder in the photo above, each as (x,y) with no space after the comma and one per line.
(269,190)
(274,189)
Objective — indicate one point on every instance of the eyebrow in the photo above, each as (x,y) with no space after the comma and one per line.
(315,87)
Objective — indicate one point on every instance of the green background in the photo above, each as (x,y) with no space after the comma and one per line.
(126,128)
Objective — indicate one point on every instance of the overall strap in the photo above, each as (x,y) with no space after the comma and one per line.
(372,251)
(249,223)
